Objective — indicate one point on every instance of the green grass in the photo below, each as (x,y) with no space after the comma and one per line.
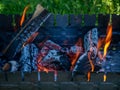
(62,6)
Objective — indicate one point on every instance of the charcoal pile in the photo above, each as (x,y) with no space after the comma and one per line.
(50,56)
(83,57)
(23,53)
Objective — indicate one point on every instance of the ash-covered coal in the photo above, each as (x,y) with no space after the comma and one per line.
(51,56)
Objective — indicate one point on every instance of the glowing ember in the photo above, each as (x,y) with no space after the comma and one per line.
(40,68)
(23,15)
(31,38)
(104,77)
(88,76)
(108,39)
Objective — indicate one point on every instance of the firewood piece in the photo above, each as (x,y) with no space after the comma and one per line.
(82,65)
(90,39)
(86,62)
(28,58)
(38,18)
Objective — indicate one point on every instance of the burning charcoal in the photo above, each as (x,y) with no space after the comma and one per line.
(47,46)
(52,58)
(86,62)
(74,53)
(82,65)
(38,18)
(28,58)
(55,60)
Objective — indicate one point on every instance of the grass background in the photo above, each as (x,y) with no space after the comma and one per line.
(62,6)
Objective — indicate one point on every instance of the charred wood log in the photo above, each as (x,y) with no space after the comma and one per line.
(86,62)
(38,18)
(28,59)
(52,58)
(56,60)
(82,64)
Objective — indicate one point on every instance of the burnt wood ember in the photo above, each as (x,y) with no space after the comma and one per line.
(82,65)
(56,60)
(38,18)
(74,53)
(86,61)
(51,57)
(28,58)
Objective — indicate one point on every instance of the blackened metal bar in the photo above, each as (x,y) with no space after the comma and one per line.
(6,77)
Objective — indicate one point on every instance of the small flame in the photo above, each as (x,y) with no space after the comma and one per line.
(23,15)
(77,54)
(108,39)
(41,68)
(104,77)
(91,63)
(100,42)
(88,76)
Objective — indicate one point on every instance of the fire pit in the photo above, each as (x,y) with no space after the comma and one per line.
(65,46)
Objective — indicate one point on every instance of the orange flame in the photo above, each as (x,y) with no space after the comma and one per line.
(77,54)
(88,76)
(91,63)
(100,42)
(104,77)
(41,68)
(107,39)
(23,15)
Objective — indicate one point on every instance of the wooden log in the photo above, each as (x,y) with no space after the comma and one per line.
(38,18)
(86,61)
(28,59)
